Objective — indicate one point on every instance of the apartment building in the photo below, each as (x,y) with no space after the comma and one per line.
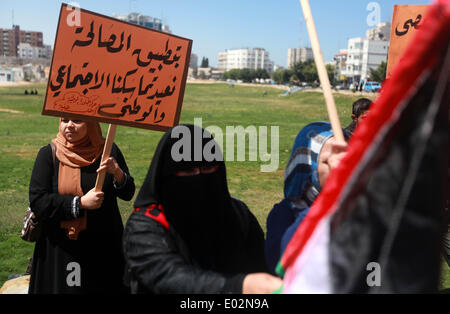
(341,63)
(363,55)
(380,32)
(27,51)
(298,55)
(246,58)
(11,38)
(193,62)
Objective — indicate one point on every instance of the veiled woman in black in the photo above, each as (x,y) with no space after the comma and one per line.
(187,234)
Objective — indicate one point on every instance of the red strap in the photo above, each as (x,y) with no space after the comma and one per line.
(156,213)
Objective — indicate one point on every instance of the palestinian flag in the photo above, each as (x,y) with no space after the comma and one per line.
(375,227)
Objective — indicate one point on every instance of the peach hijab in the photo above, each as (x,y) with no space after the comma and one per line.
(73,156)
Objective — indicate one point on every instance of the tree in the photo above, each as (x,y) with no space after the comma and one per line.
(277,76)
(302,72)
(246,75)
(305,71)
(294,80)
(298,70)
(232,74)
(282,76)
(378,74)
(261,74)
(331,69)
(310,72)
(205,63)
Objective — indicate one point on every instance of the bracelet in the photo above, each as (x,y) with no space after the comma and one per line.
(76,207)
(119,186)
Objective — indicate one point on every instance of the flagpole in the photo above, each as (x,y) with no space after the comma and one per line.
(322,71)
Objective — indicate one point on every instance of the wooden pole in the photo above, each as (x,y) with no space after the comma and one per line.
(106,152)
(322,71)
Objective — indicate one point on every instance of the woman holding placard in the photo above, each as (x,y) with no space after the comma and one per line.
(79,250)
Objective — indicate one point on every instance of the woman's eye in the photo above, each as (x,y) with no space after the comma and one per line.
(190,172)
(209,169)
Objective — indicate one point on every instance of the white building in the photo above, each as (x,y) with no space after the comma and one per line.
(222,61)
(363,55)
(381,32)
(276,67)
(33,72)
(341,63)
(166,29)
(18,74)
(26,51)
(204,72)
(6,75)
(298,55)
(256,58)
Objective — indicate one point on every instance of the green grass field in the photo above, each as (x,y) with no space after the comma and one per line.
(23,131)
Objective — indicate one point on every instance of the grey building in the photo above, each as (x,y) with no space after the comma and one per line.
(144,20)
(298,55)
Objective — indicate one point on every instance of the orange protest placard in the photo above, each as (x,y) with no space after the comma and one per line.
(111,71)
(406,20)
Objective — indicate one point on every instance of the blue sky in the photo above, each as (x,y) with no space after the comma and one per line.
(216,25)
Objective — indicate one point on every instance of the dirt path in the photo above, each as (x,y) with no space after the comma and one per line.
(11,84)
(10,110)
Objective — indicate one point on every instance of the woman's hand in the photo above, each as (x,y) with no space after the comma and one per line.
(338,151)
(329,158)
(92,200)
(260,283)
(112,167)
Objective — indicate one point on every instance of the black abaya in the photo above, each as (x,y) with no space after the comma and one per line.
(97,254)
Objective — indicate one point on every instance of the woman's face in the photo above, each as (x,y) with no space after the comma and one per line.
(73,130)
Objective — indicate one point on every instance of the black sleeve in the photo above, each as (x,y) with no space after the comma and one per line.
(154,261)
(254,242)
(44,202)
(126,191)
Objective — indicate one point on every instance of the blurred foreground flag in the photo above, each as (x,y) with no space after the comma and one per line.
(375,227)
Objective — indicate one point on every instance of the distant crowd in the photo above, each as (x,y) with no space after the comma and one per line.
(31,92)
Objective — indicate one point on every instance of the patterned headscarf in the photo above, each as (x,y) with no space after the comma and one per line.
(301,179)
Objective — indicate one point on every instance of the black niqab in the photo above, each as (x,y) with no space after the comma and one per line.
(198,207)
